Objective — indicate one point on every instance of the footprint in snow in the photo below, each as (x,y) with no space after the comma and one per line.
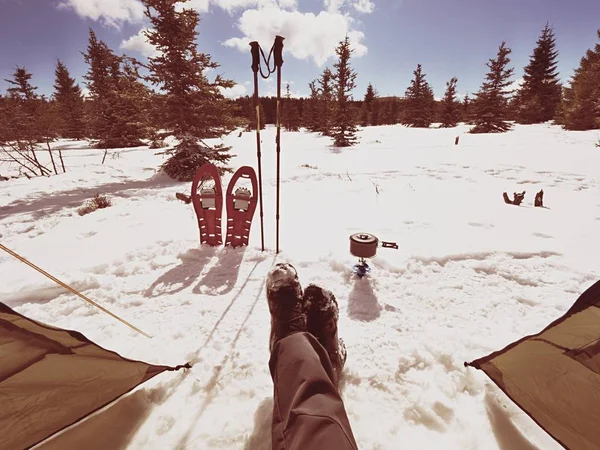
(420,415)
(484,225)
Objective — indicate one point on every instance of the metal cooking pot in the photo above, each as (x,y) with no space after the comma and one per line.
(364,245)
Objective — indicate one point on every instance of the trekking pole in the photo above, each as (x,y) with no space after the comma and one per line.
(278,56)
(255,66)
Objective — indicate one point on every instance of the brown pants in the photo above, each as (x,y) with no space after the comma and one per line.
(308,412)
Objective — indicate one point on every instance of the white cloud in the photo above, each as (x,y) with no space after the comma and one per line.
(307,36)
(111,12)
(238,90)
(364,6)
(334,5)
(139,43)
(234,5)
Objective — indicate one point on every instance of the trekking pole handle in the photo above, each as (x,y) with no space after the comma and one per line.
(278,51)
(254,49)
(389,245)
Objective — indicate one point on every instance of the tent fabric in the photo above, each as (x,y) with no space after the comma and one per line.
(51,378)
(554,376)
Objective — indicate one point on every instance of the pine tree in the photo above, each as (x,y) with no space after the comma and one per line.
(467,110)
(119,110)
(492,99)
(69,102)
(25,108)
(133,105)
(450,112)
(290,116)
(367,106)
(375,115)
(581,103)
(326,102)
(390,111)
(540,92)
(195,107)
(26,102)
(311,116)
(6,106)
(101,80)
(343,129)
(419,101)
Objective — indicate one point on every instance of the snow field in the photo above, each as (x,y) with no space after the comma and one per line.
(472,275)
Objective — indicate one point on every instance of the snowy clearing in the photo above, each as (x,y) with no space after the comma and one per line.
(472,274)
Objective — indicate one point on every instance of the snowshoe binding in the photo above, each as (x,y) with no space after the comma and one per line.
(208,204)
(241,205)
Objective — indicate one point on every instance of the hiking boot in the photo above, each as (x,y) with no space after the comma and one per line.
(322,322)
(284,295)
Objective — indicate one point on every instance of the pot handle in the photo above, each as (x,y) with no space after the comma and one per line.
(389,245)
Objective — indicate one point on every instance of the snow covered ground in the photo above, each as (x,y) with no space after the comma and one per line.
(472,274)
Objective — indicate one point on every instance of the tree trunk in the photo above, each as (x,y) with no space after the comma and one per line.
(51,157)
(61,160)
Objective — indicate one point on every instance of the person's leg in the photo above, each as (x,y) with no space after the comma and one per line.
(308,412)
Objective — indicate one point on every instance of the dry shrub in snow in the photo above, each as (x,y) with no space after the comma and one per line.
(157,142)
(97,202)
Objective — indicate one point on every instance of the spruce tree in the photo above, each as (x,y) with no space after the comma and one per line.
(326,102)
(25,107)
(195,107)
(133,105)
(375,114)
(540,93)
(343,129)
(389,110)
(311,114)
(102,81)
(6,134)
(491,102)
(69,102)
(367,106)
(25,102)
(290,115)
(581,103)
(450,113)
(467,110)
(420,102)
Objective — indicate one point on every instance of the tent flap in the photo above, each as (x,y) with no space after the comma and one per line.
(554,376)
(51,378)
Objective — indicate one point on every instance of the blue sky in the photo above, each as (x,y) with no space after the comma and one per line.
(449,38)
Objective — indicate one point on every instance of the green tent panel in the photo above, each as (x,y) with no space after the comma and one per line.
(51,378)
(554,376)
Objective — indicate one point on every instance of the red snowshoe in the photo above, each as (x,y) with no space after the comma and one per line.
(208,204)
(241,205)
